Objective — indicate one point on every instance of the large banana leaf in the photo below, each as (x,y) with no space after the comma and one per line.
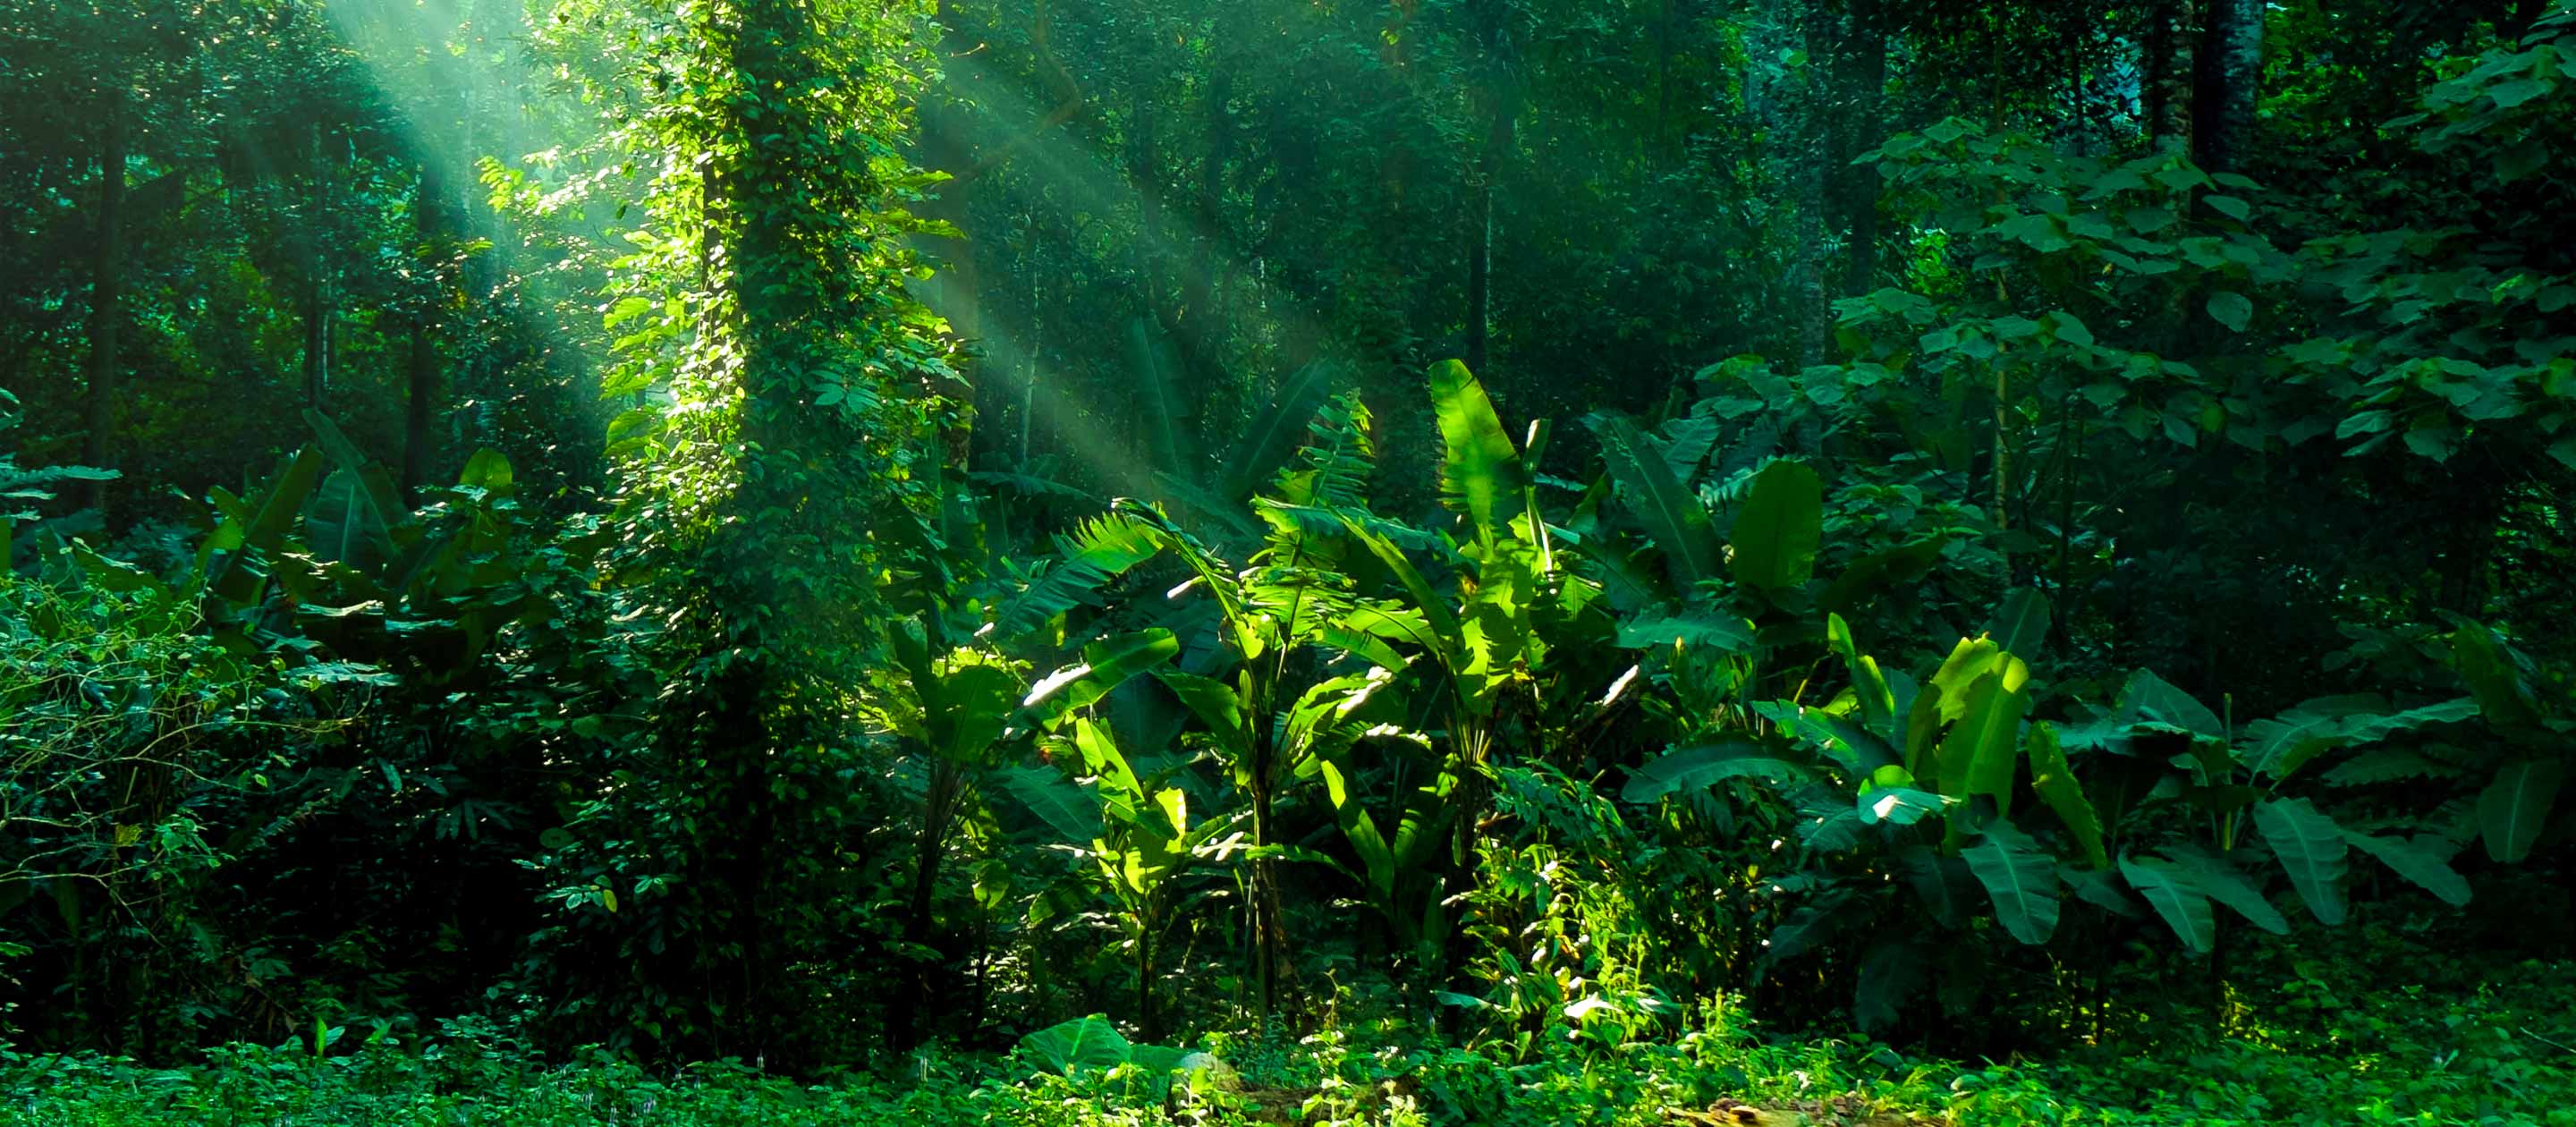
(1155,364)
(232,578)
(2418,863)
(2311,849)
(2228,885)
(1480,474)
(2054,782)
(1673,518)
(1705,765)
(2512,808)
(2172,892)
(1780,528)
(2020,879)
(1105,665)
(2021,623)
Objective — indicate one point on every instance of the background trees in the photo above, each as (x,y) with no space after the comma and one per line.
(1934,495)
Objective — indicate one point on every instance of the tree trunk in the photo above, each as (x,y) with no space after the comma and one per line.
(315,302)
(106,289)
(1499,114)
(2228,79)
(421,379)
(2168,70)
(1864,59)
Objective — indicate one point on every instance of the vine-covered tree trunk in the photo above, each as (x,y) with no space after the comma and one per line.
(106,282)
(2229,75)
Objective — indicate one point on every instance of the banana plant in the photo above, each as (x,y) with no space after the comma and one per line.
(957,705)
(1149,850)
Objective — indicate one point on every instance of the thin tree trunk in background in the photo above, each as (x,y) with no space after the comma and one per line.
(420,385)
(106,289)
(1865,82)
(1200,328)
(315,299)
(1480,220)
(2229,74)
(1480,265)
(1814,139)
(2168,75)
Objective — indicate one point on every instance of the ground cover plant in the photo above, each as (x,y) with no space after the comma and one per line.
(1461,561)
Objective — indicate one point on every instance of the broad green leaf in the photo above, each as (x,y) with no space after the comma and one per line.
(1869,687)
(1214,703)
(1898,806)
(1105,665)
(2054,782)
(1673,517)
(1704,765)
(2512,808)
(2228,885)
(2311,849)
(487,470)
(1375,855)
(2176,897)
(1780,528)
(1980,752)
(2149,698)
(1719,632)
(2415,862)
(2020,879)
(2021,623)
(1070,809)
(1084,1042)
(1480,473)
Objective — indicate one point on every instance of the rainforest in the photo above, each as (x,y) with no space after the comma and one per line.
(1097,563)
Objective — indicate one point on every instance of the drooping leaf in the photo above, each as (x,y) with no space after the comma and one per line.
(1673,518)
(2021,623)
(2054,782)
(1480,473)
(2512,809)
(2176,897)
(1704,765)
(2311,850)
(2228,885)
(2020,879)
(1070,809)
(1780,528)
(2417,863)
(2152,699)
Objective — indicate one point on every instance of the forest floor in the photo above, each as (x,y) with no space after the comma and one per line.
(2408,1033)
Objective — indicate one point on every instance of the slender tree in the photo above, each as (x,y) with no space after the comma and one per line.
(106,289)
(2228,81)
